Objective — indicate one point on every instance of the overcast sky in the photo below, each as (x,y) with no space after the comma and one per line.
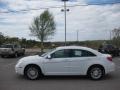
(94,22)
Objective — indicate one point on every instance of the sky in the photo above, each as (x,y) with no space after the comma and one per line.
(93,22)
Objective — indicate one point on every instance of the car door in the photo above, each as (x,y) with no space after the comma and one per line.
(58,64)
(79,61)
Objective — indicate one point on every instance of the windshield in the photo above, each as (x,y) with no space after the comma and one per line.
(44,54)
(6,46)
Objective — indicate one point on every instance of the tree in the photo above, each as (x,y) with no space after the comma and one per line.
(43,26)
(1,38)
(116,36)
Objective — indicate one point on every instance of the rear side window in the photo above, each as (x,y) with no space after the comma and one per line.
(83,53)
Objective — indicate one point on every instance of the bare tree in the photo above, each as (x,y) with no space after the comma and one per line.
(1,38)
(43,26)
(116,36)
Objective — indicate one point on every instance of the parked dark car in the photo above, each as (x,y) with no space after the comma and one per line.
(109,49)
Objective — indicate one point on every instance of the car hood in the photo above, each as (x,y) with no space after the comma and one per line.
(31,58)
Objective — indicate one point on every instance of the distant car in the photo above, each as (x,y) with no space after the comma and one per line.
(67,60)
(11,50)
(109,49)
(39,53)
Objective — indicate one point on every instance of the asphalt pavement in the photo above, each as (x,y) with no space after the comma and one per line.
(9,80)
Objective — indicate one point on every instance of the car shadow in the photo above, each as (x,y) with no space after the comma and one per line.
(59,78)
(65,78)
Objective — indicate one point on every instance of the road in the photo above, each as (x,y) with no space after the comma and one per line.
(10,81)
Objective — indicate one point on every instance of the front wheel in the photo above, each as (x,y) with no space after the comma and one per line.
(32,72)
(96,73)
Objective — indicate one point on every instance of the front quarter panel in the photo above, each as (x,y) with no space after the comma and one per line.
(36,60)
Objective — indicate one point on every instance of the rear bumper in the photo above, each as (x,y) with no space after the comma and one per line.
(7,53)
(110,68)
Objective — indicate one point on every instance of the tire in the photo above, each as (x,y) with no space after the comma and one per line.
(32,72)
(96,73)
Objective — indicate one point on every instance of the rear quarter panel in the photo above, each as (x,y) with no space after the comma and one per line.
(93,61)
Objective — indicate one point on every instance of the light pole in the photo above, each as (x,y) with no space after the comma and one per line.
(64,10)
(77,35)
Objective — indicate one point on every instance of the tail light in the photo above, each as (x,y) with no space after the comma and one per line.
(109,58)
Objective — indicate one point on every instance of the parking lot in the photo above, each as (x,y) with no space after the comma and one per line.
(10,81)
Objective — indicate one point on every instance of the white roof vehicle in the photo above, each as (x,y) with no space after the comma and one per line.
(66,60)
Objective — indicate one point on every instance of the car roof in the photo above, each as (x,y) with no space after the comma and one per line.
(72,47)
(78,47)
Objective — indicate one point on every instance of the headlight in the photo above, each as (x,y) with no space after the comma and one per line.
(19,63)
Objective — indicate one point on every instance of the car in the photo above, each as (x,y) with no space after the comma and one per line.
(109,49)
(66,60)
(11,50)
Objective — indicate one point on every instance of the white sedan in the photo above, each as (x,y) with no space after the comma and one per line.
(66,60)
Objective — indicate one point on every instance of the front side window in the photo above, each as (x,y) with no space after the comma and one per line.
(61,54)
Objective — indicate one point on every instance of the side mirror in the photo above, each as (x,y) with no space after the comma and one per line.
(49,57)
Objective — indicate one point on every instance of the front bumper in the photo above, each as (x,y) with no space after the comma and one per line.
(19,70)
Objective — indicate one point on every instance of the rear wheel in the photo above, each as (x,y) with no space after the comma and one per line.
(96,73)
(32,72)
